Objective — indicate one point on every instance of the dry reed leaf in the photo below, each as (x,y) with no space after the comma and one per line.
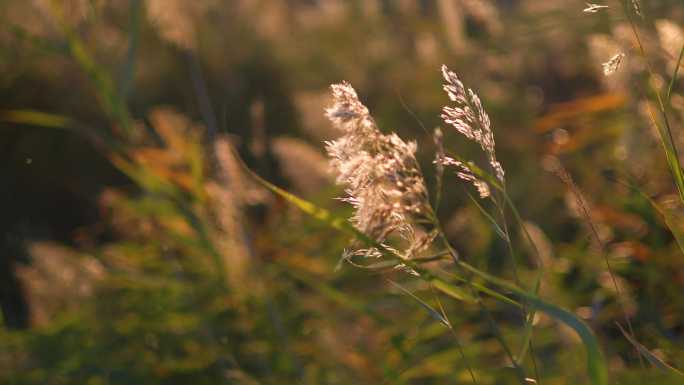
(560,113)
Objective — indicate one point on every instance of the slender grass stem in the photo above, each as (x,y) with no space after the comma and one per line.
(674,78)
(450,326)
(483,309)
(671,150)
(528,317)
(567,179)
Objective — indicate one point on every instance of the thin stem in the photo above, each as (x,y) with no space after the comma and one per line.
(509,244)
(673,159)
(567,179)
(492,324)
(528,316)
(453,333)
(674,77)
(500,204)
(670,144)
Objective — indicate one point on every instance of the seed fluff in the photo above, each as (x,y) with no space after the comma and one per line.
(382,179)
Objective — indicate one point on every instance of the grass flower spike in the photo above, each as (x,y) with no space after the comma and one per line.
(382,179)
(470,119)
(463,171)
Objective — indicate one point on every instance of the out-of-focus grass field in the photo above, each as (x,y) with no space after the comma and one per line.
(135,249)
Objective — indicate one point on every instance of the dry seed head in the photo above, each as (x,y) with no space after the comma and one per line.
(380,172)
(348,113)
(469,118)
(613,64)
(464,172)
(637,7)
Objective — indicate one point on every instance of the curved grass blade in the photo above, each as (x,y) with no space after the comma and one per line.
(319,213)
(652,358)
(596,364)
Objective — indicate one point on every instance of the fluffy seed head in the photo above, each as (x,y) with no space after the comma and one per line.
(348,113)
(380,172)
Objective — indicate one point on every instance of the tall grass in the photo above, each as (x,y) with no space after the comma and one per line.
(396,232)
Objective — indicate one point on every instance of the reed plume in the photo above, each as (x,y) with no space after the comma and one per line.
(382,179)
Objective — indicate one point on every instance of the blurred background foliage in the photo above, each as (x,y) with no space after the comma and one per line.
(135,249)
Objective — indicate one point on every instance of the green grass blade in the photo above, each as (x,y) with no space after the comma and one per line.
(596,364)
(37,118)
(499,231)
(316,212)
(128,70)
(527,336)
(453,291)
(332,293)
(529,327)
(111,102)
(668,96)
(480,288)
(665,133)
(433,313)
(652,358)
(102,82)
